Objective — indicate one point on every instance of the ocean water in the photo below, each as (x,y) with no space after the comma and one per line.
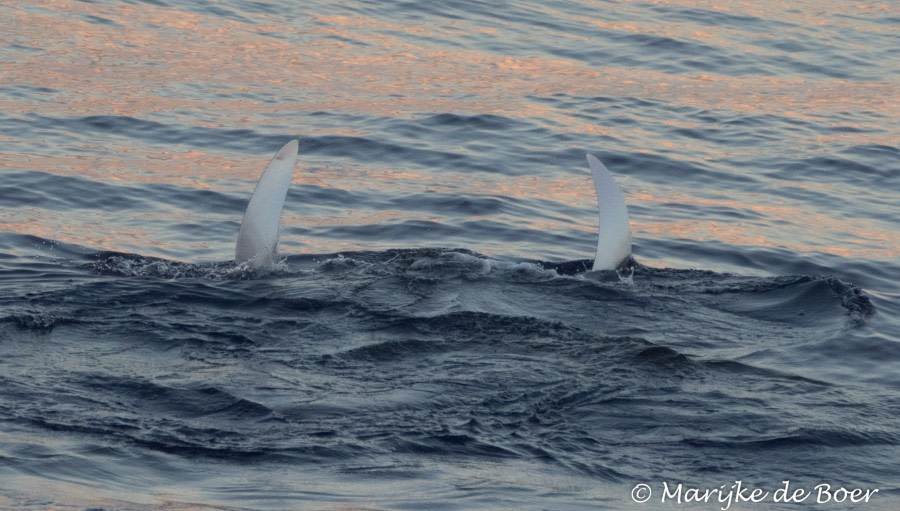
(431,340)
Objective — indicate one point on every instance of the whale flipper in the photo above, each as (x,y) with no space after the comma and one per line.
(257,241)
(614,245)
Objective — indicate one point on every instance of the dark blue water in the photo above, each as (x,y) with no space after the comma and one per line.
(432,339)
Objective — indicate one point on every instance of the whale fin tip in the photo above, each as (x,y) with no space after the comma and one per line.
(288,150)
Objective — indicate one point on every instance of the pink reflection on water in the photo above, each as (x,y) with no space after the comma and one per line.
(869,241)
(208,71)
(137,69)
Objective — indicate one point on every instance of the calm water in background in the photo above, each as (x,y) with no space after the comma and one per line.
(412,353)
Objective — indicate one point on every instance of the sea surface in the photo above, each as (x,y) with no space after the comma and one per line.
(431,339)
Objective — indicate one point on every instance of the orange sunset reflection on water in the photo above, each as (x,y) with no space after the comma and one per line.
(214,72)
(124,69)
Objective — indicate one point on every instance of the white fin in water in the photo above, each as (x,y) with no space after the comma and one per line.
(614,245)
(257,241)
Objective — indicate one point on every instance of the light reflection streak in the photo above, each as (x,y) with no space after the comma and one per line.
(178,69)
(126,75)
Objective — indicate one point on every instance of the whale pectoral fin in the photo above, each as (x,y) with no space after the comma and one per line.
(257,241)
(614,243)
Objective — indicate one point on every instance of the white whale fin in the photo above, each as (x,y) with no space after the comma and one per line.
(614,245)
(257,241)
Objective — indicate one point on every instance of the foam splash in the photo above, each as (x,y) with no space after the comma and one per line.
(132,265)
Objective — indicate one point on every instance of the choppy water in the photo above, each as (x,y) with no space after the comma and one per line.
(431,340)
